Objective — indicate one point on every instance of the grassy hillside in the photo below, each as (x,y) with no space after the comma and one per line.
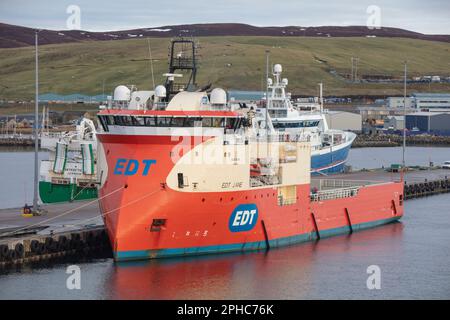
(84,67)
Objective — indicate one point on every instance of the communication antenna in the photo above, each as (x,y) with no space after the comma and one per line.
(321,96)
(352,59)
(151,61)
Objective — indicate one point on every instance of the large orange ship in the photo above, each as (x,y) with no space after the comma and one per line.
(183,171)
(198,177)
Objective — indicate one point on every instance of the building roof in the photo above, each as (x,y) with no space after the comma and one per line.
(431,95)
(344,112)
(426,113)
(397,118)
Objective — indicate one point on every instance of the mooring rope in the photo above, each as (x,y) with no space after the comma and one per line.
(118,208)
(62,214)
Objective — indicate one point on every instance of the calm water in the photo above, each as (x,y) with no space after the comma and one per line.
(371,158)
(16,174)
(413,256)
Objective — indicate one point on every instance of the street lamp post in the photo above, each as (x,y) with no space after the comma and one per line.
(36,138)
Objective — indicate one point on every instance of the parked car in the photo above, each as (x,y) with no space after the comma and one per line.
(446,165)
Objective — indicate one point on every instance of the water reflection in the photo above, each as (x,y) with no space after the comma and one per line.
(293,272)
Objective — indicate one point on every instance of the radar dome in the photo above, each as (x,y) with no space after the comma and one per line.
(218,96)
(160,91)
(285,81)
(122,93)
(269,81)
(277,68)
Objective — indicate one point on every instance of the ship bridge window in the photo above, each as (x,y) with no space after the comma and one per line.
(297,124)
(104,123)
(164,121)
(150,121)
(155,121)
(218,122)
(138,121)
(123,121)
(207,122)
(107,120)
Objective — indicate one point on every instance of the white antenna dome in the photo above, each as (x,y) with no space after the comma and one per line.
(122,93)
(160,91)
(277,68)
(269,81)
(285,81)
(218,96)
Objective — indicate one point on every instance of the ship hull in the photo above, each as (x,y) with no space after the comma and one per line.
(55,193)
(247,246)
(332,161)
(146,219)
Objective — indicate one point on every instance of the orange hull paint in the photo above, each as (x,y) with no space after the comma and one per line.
(198,222)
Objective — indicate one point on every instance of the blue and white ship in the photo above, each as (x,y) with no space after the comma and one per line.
(329,148)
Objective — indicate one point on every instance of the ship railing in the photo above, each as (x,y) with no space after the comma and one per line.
(334,194)
(56,135)
(286,201)
(242,138)
(281,137)
(327,184)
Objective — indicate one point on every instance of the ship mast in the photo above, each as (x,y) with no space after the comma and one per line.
(185,59)
(267,92)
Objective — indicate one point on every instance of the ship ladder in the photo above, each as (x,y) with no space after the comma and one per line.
(349,220)
(316,228)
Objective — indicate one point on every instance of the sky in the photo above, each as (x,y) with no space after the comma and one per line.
(430,16)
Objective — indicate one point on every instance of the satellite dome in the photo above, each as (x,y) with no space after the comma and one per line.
(277,68)
(122,93)
(160,91)
(269,81)
(285,81)
(218,96)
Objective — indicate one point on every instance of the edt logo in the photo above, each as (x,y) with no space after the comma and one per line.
(243,218)
(130,167)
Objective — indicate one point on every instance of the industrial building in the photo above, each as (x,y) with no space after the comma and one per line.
(432,122)
(394,123)
(431,101)
(398,102)
(341,120)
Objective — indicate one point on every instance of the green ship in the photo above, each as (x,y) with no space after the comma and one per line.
(70,172)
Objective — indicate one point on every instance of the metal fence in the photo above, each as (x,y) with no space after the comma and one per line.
(334,194)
